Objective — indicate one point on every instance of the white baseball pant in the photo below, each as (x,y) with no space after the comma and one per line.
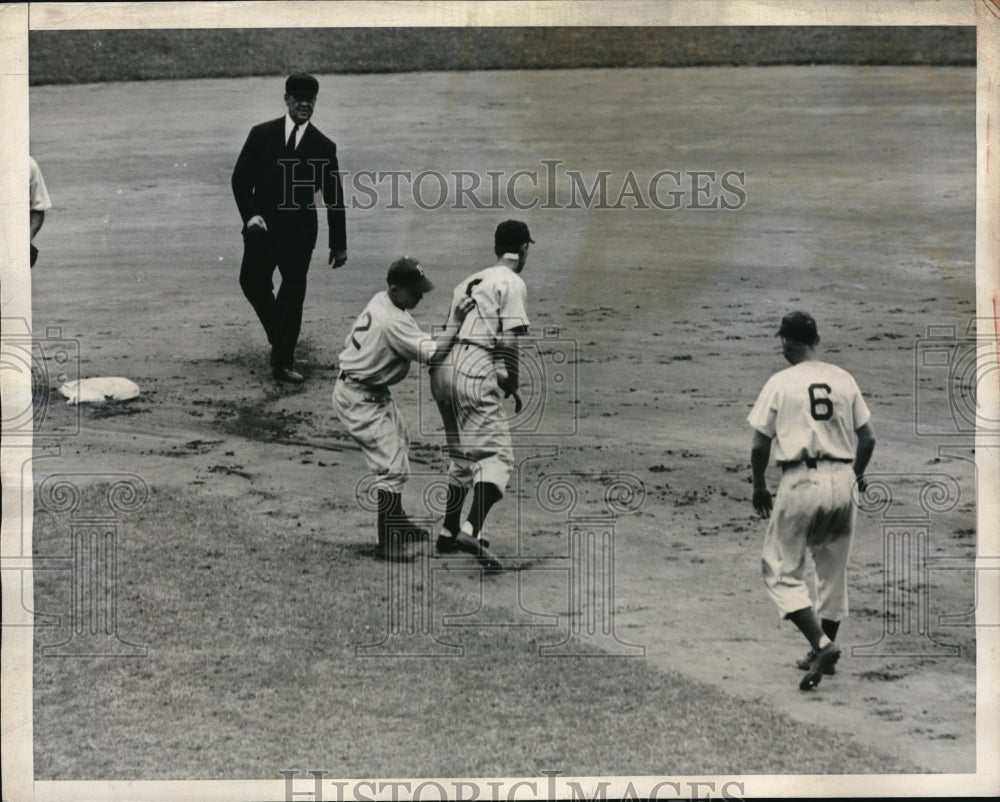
(373,420)
(813,514)
(470,403)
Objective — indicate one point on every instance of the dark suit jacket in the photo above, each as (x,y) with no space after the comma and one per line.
(284,195)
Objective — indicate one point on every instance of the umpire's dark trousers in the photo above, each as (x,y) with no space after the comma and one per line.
(281,315)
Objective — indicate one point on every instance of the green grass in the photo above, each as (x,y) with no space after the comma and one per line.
(125,55)
(252,625)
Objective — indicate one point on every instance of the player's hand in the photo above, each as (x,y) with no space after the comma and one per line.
(465,306)
(862,484)
(337,258)
(257,222)
(762,502)
(508,383)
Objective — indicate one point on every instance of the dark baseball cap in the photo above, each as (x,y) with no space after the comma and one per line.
(800,327)
(301,85)
(510,236)
(407,272)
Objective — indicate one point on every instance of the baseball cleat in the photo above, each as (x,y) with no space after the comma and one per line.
(803,663)
(824,658)
(446,542)
(479,550)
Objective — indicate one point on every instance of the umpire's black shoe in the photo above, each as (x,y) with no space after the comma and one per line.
(825,657)
(287,374)
(804,662)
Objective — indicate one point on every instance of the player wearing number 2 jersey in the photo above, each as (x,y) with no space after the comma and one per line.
(377,353)
(813,417)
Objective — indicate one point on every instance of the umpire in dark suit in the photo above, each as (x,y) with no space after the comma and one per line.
(282,166)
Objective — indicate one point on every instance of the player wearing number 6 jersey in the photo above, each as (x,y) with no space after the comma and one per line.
(383,342)
(470,386)
(813,417)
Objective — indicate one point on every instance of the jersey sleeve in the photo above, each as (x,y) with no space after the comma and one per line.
(514,305)
(456,299)
(39,193)
(859,408)
(765,411)
(406,339)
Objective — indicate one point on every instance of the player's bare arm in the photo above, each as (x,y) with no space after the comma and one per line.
(863,453)
(445,341)
(37,219)
(760,455)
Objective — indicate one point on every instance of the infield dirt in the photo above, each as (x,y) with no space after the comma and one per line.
(859,207)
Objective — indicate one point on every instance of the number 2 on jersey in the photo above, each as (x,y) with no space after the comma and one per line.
(820,406)
(367,318)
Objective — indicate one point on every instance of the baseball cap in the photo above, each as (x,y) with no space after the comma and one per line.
(799,326)
(407,272)
(510,236)
(301,85)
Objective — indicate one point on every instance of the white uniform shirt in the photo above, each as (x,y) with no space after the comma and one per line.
(40,200)
(383,342)
(501,300)
(811,409)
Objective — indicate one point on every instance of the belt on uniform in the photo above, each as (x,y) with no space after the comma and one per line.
(810,462)
(375,388)
(477,345)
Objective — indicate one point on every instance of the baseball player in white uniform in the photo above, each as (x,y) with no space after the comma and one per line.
(377,353)
(815,419)
(468,387)
(40,203)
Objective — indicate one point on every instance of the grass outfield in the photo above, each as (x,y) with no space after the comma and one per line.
(94,56)
(210,590)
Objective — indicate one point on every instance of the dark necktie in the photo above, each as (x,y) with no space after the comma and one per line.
(290,145)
